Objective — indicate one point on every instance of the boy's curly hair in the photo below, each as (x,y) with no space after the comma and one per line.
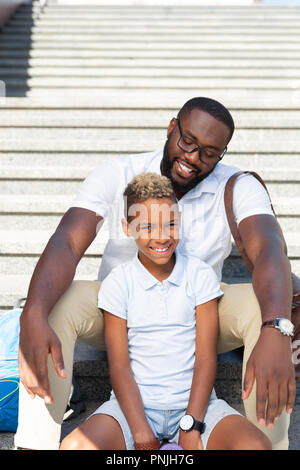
(147,186)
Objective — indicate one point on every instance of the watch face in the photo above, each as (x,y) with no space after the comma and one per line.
(286,326)
(186,422)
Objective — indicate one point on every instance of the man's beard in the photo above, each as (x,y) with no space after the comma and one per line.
(166,170)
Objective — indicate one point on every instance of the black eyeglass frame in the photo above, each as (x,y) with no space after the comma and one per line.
(198,148)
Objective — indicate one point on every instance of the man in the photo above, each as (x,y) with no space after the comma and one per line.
(58,311)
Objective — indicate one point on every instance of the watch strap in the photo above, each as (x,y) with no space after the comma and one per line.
(200,426)
(276,324)
(270,323)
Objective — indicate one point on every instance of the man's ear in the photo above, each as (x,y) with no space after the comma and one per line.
(171,126)
(125,226)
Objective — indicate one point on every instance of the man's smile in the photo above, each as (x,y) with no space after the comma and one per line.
(184,169)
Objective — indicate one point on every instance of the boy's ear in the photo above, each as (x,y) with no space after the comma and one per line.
(125,226)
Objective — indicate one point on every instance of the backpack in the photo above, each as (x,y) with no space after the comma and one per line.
(9,369)
(10,377)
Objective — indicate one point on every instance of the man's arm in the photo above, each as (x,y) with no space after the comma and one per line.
(52,276)
(270,362)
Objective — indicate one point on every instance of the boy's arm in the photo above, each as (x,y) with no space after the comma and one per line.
(123,383)
(204,369)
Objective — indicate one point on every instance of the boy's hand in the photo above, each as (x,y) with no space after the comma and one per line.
(146,440)
(190,440)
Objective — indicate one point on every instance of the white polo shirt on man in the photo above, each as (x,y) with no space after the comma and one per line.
(161,324)
(205,233)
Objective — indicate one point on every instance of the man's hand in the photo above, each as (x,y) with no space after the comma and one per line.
(190,440)
(270,364)
(37,341)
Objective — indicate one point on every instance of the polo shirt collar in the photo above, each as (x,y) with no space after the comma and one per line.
(148,281)
(209,185)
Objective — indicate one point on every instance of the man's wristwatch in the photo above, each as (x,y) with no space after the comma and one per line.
(282,324)
(188,422)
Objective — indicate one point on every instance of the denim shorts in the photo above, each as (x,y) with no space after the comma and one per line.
(165,423)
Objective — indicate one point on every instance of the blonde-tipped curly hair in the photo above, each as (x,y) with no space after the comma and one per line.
(147,186)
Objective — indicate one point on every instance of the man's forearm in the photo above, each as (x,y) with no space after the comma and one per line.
(272,284)
(52,276)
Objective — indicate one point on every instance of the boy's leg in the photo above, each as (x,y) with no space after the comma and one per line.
(99,432)
(240,322)
(75,315)
(234,432)
(106,429)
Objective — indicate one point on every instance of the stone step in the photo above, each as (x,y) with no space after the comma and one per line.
(270,175)
(14,285)
(197,18)
(89,265)
(211,37)
(119,118)
(44,46)
(92,28)
(152,72)
(133,141)
(52,13)
(114,98)
(10,222)
(154,82)
(144,54)
(263,163)
(36,204)
(32,242)
(33,186)
(92,60)
(148,40)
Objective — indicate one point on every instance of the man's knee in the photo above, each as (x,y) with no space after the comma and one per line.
(77,303)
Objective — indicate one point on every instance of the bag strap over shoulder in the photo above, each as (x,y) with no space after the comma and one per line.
(228,201)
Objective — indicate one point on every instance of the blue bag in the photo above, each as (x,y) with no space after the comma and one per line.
(9,369)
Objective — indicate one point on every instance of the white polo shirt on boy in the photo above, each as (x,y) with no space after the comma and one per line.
(161,324)
(205,233)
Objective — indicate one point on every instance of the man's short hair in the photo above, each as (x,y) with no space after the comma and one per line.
(212,107)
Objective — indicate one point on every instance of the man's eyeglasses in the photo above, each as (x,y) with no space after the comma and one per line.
(206,154)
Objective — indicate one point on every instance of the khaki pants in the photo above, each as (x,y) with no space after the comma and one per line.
(76,316)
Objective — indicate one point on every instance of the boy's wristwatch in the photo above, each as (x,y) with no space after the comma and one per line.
(284,325)
(188,422)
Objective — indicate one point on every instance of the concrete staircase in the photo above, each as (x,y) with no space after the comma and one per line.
(85,83)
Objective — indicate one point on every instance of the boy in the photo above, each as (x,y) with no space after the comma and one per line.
(161,331)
